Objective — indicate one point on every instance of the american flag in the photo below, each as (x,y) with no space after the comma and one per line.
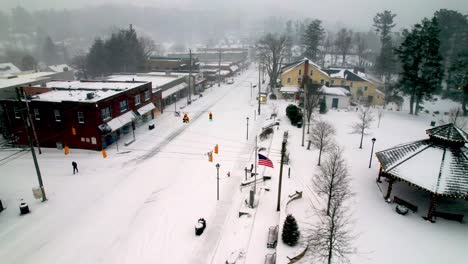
(262,160)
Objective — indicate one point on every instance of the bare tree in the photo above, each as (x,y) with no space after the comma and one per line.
(322,137)
(380,114)
(332,181)
(343,42)
(365,119)
(271,51)
(361,47)
(312,97)
(331,239)
(148,45)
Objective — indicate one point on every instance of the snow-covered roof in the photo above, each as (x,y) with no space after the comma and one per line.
(60,68)
(77,91)
(448,132)
(339,91)
(8,68)
(24,78)
(156,79)
(434,166)
(292,66)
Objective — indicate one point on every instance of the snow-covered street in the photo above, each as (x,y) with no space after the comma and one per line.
(140,204)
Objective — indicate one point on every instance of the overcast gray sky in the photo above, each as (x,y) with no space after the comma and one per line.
(351,13)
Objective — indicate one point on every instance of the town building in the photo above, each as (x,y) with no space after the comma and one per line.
(362,90)
(79,114)
(157,63)
(8,69)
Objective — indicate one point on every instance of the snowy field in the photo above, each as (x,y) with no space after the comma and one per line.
(140,204)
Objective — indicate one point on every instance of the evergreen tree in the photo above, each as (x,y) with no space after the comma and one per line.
(28,63)
(96,59)
(290,235)
(459,73)
(453,36)
(49,52)
(422,69)
(312,38)
(385,62)
(323,106)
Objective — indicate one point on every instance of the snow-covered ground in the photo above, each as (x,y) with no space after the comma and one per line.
(140,205)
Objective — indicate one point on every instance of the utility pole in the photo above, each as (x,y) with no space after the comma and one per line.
(250,91)
(219,69)
(283,150)
(259,87)
(217,181)
(189,98)
(31,121)
(33,152)
(304,113)
(247,128)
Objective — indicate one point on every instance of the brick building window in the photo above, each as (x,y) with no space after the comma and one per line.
(342,82)
(311,72)
(137,99)
(37,116)
(57,116)
(299,80)
(80,117)
(332,82)
(300,72)
(106,113)
(147,95)
(321,81)
(351,84)
(365,88)
(123,106)
(289,80)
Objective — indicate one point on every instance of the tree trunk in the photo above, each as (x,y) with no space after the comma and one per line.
(362,137)
(411,102)
(465,100)
(331,238)
(320,155)
(418,101)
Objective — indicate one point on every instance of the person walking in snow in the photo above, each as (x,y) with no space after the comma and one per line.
(229,174)
(75,167)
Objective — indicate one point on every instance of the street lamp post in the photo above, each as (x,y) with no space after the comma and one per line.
(247,128)
(175,104)
(372,151)
(217,181)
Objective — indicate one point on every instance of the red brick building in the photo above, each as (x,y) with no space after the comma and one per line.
(81,114)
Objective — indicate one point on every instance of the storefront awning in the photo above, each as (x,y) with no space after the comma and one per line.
(233,68)
(121,121)
(145,109)
(173,90)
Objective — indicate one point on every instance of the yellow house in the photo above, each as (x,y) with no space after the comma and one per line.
(362,90)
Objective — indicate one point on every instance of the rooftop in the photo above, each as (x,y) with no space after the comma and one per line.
(8,68)
(157,79)
(24,78)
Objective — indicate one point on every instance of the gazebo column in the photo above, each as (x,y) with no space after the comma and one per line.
(380,174)
(391,180)
(432,207)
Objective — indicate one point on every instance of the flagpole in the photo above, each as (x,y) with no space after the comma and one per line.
(255,173)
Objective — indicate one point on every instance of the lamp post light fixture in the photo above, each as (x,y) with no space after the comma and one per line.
(372,151)
(247,128)
(217,181)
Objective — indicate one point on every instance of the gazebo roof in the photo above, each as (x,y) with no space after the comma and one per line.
(435,167)
(448,132)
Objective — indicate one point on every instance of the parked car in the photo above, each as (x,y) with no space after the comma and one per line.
(230,81)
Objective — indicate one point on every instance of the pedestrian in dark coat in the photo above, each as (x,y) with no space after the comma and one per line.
(75,167)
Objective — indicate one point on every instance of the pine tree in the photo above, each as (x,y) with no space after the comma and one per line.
(312,38)
(290,235)
(49,52)
(422,70)
(385,62)
(323,106)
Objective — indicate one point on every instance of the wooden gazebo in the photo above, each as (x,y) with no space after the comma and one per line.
(438,165)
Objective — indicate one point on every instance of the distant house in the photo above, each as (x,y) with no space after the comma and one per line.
(80,114)
(336,97)
(362,90)
(8,69)
(156,63)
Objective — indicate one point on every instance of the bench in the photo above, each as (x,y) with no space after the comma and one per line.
(449,216)
(298,257)
(272,236)
(409,205)
(270,125)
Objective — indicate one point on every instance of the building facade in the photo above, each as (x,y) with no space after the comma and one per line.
(80,114)
(362,90)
